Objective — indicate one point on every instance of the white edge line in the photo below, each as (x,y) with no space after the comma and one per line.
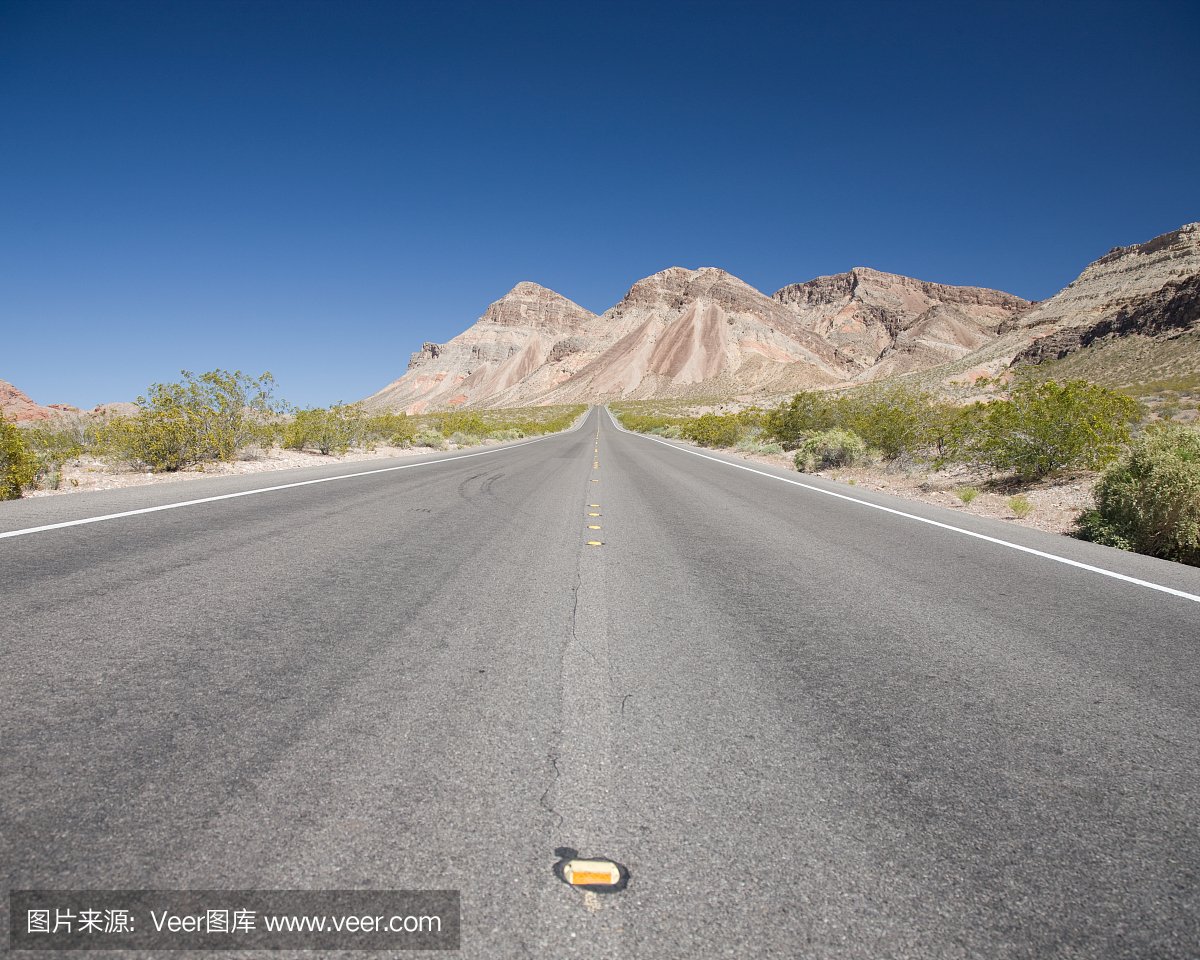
(912,516)
(280,486)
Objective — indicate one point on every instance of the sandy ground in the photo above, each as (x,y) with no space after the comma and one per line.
(87,474)
(1054,504)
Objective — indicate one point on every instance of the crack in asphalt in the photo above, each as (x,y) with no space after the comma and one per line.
(575,620)
(546,805)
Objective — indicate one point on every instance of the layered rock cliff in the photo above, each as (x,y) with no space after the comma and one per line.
(888,324)
(1126,304)
(1148,290)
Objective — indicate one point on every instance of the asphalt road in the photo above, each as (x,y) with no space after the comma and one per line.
(808,727)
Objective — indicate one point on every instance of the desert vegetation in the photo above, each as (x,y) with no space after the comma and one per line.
(222,416)
(1150,500)
(1035,430)
(1038,430)
(18,465)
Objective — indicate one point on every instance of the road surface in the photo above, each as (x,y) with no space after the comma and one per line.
(807,726)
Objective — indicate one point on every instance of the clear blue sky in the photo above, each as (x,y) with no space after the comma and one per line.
(316,188)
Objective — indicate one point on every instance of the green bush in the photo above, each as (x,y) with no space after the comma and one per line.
(54,443)
(758,445)
(713,430)
(672,432)
(1046,427)
(18,464)
(1150,501)
(951,433)
(536,421)
(200,418)
(895,421)
(511,434)
(328,431)
(807,412)
(459,421)
(460,439)
(830,448)
(396,429)
(1020,505)
(649,423)
(967,494)
(429,438)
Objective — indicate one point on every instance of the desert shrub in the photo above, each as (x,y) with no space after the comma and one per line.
(465,439)
(396,429)
(1150,501)
(1020,506)
(967,494)
(197,419)
(510,434)
(18,464)
(429,438)
(535,422)
(951,433)
(1045,427)
(647,422)
(54,443)
(58,441)
(895,421)
(713,430)
(459,421)
(328,431)
(672,432)
(830,448)
(752,418)
(758,445)
(807,412)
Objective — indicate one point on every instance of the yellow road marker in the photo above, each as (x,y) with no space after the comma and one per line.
(595,543)
(593,526)
(595,481)
(594,506)
(587,873)
(593,514)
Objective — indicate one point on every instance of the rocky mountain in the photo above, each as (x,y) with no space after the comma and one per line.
(1130,317)
(705,333)
(524,345)
(18,407)
(702,332)
(887,324)
(1149,290)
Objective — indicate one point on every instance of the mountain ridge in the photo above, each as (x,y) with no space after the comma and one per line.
(683,330)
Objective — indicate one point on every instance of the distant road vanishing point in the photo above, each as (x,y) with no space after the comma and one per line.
(806,726)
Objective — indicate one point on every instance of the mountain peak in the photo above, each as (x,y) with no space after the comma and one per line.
(530,304)
(527,288)
(675,285)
